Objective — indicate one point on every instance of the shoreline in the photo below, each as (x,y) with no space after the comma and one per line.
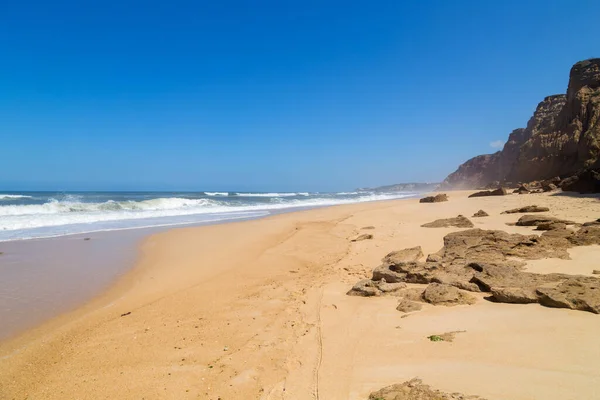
(125,242)
(241,309)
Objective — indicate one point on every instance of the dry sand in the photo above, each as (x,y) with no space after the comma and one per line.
(257,310)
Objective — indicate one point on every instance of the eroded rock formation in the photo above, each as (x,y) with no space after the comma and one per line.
(487,261)
(562,139)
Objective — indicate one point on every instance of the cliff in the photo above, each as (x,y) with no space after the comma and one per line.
(562,138)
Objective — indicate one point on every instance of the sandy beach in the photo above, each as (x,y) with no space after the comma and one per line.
(258,310)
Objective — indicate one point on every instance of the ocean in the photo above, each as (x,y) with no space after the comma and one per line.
(27,215)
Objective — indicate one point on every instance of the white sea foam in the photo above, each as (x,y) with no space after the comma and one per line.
(57,215)
(217,193)
(13,196)
(273,194)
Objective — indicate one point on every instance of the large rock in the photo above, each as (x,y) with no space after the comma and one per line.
(486,193)
(562,138)
(416,390)
(586,181)
(459,222)
(526,209)
(514,295)
(404,255)
(442,294)
(438,198)
(536,220)
(575,293)
(365,288)
(406,306)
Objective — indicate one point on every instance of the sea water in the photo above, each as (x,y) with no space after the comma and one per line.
(28,215)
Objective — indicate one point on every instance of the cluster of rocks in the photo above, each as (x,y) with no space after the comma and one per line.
(415,389)
(477,260)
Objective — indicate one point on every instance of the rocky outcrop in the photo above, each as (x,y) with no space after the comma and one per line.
(526,209)
(479,260)
(485,193)
(460,222)
(438,198)
(562,138)
(537,220)
(416,390)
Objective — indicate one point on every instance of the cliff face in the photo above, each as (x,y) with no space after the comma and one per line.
(561,138)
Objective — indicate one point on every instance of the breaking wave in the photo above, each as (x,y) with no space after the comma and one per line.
(13,196)
(83,212)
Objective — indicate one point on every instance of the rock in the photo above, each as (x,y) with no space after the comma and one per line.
(435,199)
(522,190)
(526,209)
(442,294)
(385,287)
(585,236)
(485,193)
(416,390)
(596,272)
(384,272)
(368,227)
(592,223)
(365,288)
(562,138)
(407,306)
(586,181)
(549,187)
(480,213)
(576,294)
(459,222)
(535,220)
(515,295)
(405,255)
(364,236)
(551,226)
(434,258)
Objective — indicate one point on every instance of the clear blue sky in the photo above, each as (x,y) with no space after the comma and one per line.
(272,95)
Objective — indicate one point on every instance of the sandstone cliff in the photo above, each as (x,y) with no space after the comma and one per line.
(562,138)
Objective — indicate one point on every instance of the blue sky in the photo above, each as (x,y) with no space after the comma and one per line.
(272,95)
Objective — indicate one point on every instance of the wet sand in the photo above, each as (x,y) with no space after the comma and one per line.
(257,310)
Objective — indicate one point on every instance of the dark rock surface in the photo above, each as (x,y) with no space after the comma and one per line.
(485,193)
(434,199)
(480,214)
(526,209)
